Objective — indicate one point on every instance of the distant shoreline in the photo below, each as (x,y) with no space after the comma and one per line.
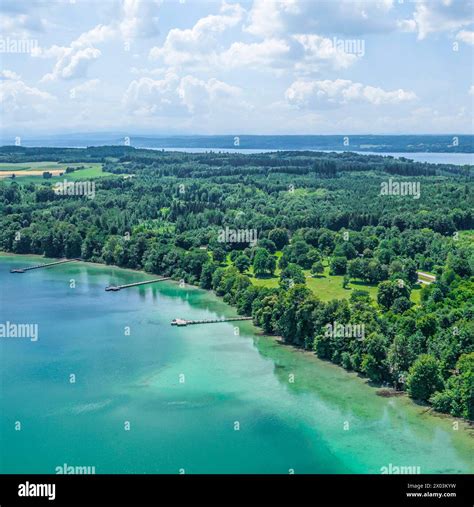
(457,158)
(365,144)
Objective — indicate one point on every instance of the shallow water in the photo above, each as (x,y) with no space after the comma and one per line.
(184,391)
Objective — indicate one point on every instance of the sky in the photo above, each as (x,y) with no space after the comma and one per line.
(236,67)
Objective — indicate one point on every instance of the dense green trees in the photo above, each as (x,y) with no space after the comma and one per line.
(280,237)
(242,263)
(458,397)
(291,275)
(338,266)
(166,220)
(263,262)
(424,378)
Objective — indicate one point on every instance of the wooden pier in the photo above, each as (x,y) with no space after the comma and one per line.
(38,266)
(183,322)
(115,288)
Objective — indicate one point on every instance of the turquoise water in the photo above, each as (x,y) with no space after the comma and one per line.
(184,391)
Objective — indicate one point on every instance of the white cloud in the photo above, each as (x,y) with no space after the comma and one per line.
(302,53)
(74,60)
(84,89)
(264,53)
(19,101)
(311,94)
(466,36)
(272,18)
(267,17)
(9,74)
(197,43)
(471,90)
(442,16)
(407,25)
(148,97)
(319,50)
(140,18)
(177,96)
(201,96)
(73,63)
(21,19)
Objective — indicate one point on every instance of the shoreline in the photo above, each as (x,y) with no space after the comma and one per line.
(309,355)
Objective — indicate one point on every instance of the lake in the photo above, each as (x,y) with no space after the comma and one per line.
(219,398)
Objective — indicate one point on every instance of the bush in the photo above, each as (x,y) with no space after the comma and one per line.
(424,378)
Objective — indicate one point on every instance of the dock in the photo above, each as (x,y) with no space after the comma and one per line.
(183,322)
(38,266)
(115,288)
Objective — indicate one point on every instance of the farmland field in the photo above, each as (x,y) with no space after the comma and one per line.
(32,172)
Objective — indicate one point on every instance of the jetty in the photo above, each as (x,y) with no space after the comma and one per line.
(38,266)
(115,288)
(183,322)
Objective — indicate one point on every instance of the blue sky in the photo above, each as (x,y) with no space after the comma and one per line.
(255,67)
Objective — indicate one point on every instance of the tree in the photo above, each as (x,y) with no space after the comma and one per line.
(268,244)
(195,261)
(401,305)
(424,378)
(208,269)
(279,237)
(345,249)
(317,268)
(271,264)
(458,397)
(242,263)
(338,266)
(218,254)
(410,271)
(400,357)
(291,276)
(290,322)
(459,265)
(345,281)
(390,290)
(260,262)
(374,363)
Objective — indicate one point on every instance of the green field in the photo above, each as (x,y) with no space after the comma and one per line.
(32,166)
(327,286)
(90,171)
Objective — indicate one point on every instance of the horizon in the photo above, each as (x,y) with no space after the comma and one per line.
(238,134)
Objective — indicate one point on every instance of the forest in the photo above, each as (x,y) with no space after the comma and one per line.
(263,230)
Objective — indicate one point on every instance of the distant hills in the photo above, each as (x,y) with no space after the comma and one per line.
(363,143)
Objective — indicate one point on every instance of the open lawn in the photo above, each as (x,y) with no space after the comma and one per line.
(327,286)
